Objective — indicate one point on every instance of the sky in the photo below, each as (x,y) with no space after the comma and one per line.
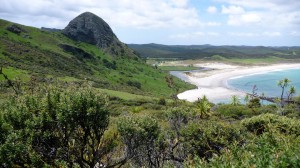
(172,22)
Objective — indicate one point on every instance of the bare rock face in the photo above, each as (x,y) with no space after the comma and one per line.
(89,28)
(15,29)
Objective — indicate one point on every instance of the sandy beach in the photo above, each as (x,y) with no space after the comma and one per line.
(213,83)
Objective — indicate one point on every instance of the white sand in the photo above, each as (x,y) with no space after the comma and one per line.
(213,83)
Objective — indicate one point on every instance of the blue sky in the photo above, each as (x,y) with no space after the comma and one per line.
(180,22)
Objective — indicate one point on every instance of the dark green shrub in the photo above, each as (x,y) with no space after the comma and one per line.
(237,111)
(141,135)
(254,103)
(269,122)
(109,65)
(268,150)
(267,109)
(55,126)
(162,101)
(205,138)
(134,84)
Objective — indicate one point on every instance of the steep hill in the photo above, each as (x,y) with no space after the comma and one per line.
(207,51)
(89,28)
(86,49)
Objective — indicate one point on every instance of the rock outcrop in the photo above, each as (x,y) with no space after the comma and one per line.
(89,28)
(15,29)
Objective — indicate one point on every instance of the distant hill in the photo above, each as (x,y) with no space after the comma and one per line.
(86,50)
(207,51)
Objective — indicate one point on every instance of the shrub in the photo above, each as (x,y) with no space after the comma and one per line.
(63,126)
(237,111)
(141,135)
(162,101)
(269,122)
(109,65)
(134,84)
(268,150)
(206,138)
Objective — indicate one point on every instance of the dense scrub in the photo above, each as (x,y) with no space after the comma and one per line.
(80,127)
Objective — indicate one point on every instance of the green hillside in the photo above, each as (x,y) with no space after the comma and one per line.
(31,51)
(207,51)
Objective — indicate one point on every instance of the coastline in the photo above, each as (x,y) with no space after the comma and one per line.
(213,84)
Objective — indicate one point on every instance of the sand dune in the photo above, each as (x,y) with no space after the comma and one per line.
(213,83)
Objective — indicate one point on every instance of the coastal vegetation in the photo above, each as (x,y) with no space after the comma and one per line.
(79,126)
(69,101)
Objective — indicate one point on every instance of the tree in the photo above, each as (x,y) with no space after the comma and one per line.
(254,92)
(254,104)
(235,100)
(56,127)
(291,92)
(203,106)
(172,85)
(246,99)
(283,84)
(262,99)
(141,137)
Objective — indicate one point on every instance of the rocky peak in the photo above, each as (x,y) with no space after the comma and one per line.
(89,28)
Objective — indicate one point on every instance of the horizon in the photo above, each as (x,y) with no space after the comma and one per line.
(224,45)
(268,23)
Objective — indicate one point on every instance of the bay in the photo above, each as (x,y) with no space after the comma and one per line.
(266,83)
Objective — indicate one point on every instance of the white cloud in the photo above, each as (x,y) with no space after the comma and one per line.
(243,34)
(273,5)
(256,34)
(278,13)
(232,10)
(118,13)
(193,35)
(244,19)
(295,33)
(212,9)
(272,34)
(213,34)
(213,24)
(180,3)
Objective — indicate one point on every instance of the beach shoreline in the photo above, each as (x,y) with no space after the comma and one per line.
(213,84)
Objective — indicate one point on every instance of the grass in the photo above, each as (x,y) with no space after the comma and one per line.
(125,95)
(13,73)
(67,79)
(177,68)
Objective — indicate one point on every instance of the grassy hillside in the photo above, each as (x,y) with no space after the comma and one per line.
(45,54)
(207,51)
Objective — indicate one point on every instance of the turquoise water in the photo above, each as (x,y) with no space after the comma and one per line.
(267,82)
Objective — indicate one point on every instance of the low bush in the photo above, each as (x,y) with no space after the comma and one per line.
(269,122)
(134,84)
(268,150)
(55,125)
(205,138)
(237,111)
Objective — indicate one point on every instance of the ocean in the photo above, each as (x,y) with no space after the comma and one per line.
(266,83)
